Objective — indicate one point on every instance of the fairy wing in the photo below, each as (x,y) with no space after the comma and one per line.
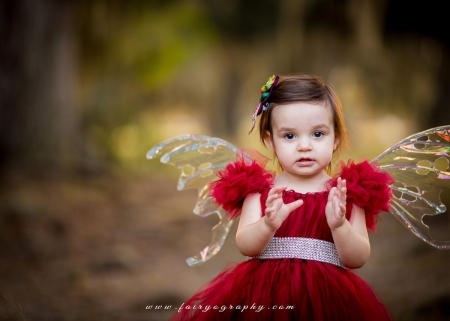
(419,165)
(200,158)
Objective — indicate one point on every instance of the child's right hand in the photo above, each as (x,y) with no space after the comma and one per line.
(276,210)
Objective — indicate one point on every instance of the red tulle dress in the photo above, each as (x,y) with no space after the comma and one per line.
(291,288)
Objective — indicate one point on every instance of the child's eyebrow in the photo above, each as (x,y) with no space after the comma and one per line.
(286,129)
(321,126)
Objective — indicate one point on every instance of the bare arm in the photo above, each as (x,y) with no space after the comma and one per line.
(255,232)
(351,239)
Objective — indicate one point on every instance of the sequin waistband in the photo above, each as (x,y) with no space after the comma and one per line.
(301,248)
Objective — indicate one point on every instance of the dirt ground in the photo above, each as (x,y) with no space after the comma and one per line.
(106,247)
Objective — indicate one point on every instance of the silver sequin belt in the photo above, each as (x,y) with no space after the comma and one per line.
(301,248)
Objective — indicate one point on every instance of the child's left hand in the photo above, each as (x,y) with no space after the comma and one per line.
(335,208)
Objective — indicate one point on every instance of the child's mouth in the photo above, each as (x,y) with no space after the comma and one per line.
(305,162)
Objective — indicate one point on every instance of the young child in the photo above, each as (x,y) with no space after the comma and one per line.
(302,230)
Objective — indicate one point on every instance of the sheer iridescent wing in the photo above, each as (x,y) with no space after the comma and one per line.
(419,165)
(200,158)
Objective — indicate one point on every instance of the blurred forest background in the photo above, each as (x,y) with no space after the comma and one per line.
(91,230)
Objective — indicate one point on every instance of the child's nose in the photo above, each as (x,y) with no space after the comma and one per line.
(304,144)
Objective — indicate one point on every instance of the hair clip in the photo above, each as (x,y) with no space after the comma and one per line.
(265,92)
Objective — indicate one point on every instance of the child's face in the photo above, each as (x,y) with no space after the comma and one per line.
(303,137)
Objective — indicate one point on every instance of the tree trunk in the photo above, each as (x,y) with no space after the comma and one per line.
(39,125)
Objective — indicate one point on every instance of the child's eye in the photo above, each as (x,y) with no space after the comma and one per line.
(289,136)
(318,134)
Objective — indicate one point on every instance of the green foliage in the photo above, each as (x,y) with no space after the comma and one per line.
(157,43)
(140,51)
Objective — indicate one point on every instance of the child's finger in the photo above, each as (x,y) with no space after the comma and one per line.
(343,190)
(337,194)
(277,189)
(339,183)
(331,194)
(269,212)
(343,195)
(343,209)
(271,198)
(337,208)
(294,205)
(274,193)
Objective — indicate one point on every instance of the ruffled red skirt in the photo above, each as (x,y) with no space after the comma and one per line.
(284,289)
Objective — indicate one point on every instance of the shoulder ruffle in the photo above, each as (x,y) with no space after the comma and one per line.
(368,188)
(236,181)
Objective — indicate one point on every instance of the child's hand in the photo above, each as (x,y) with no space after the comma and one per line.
(276,211)
(335,208)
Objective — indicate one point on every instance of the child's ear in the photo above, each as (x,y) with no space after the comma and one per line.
(269,141)
(336,143)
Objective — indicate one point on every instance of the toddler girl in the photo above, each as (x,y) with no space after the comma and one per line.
(302,230)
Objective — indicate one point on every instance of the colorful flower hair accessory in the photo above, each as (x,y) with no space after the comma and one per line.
(265,92)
